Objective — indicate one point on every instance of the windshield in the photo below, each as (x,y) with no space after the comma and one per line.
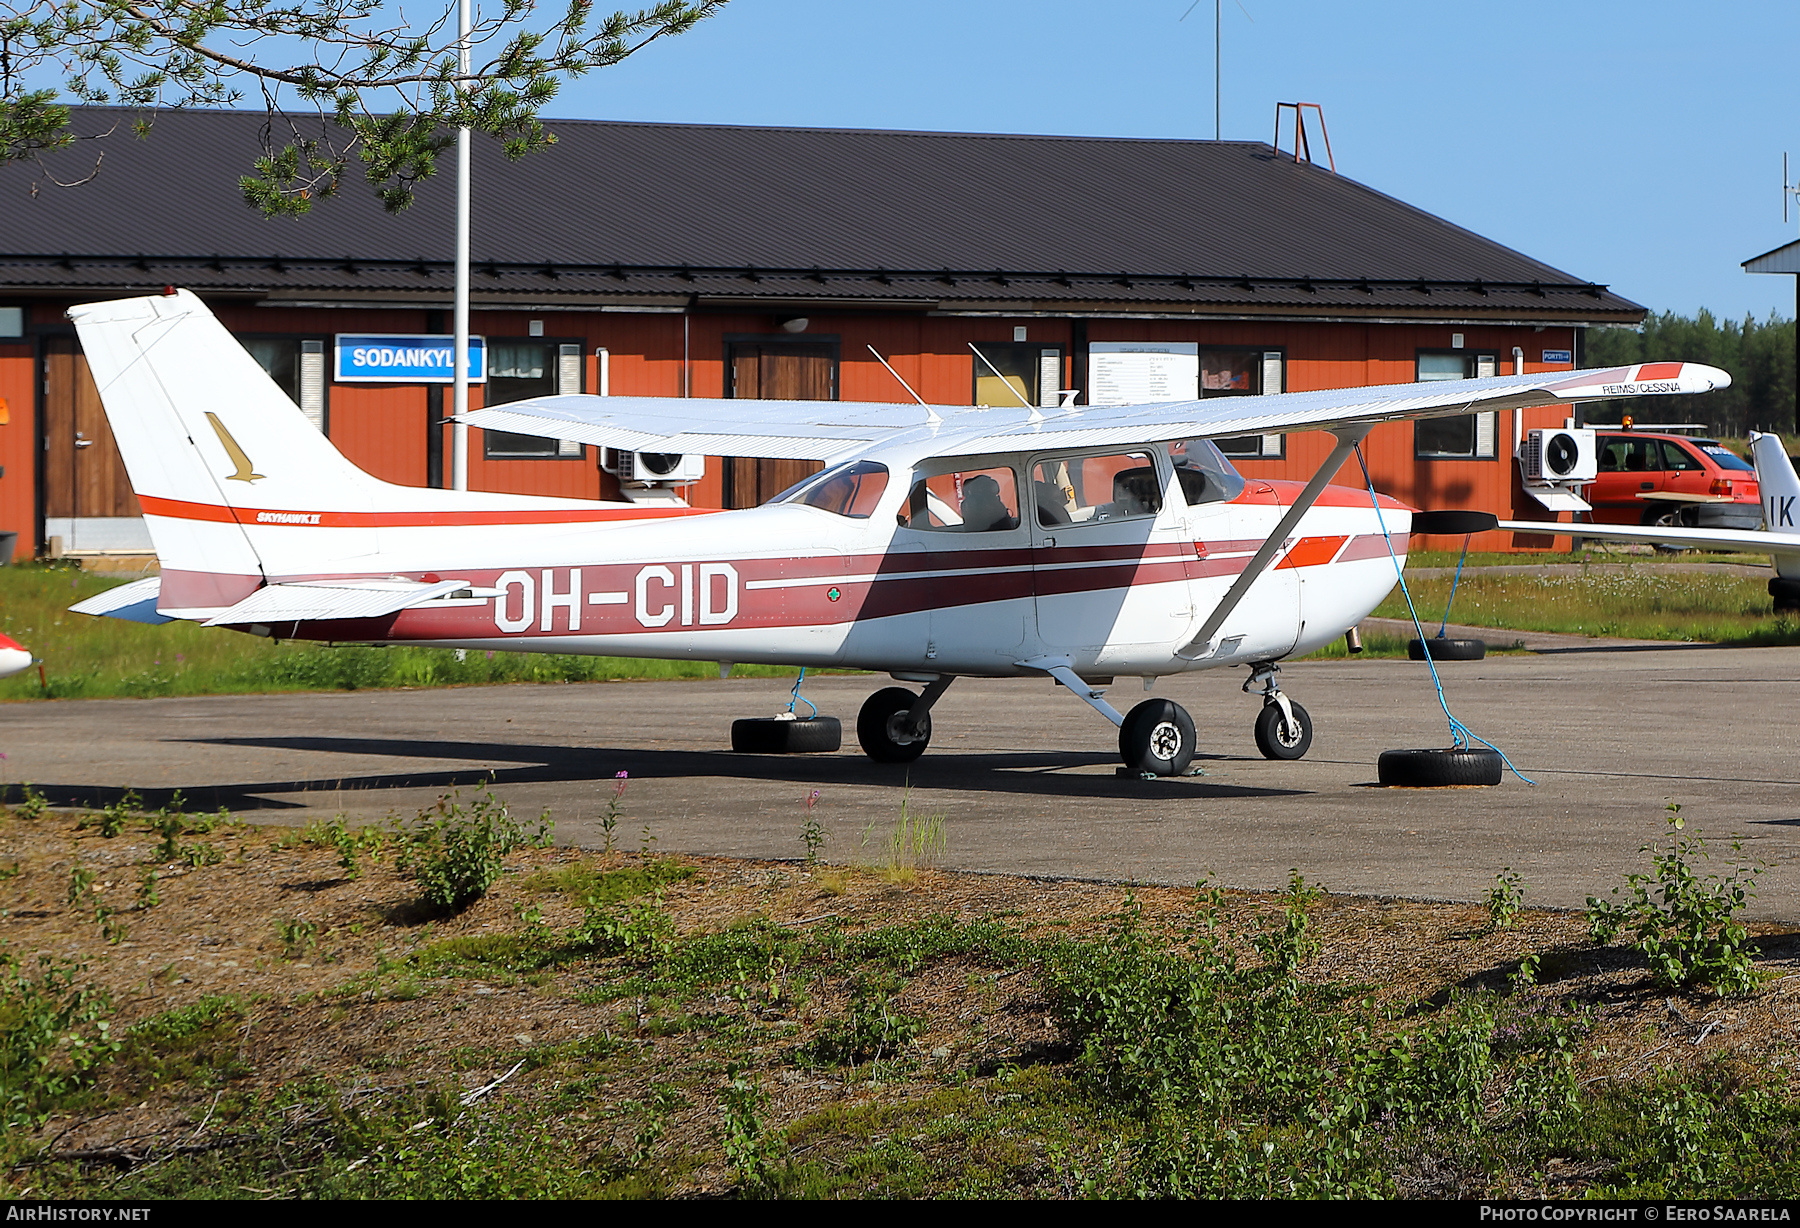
(1206,476)
(850,490)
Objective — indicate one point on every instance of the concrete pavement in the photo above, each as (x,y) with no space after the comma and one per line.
(1023,774)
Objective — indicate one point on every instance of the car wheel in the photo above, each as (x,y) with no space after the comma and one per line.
(770,735)
(1437,769)
(1444,648)
(1273,737)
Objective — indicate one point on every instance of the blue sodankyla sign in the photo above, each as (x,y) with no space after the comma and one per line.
(404,358)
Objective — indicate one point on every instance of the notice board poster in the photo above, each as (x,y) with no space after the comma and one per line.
(1142,372)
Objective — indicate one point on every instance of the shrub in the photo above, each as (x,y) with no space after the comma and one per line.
(54,1032)
(1684,922)
(1505,899)
(458,854)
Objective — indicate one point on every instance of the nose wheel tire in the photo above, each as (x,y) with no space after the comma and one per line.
(1157,737)
(883,730)
(1273,737)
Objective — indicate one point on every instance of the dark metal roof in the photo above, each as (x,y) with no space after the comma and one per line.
(677,214)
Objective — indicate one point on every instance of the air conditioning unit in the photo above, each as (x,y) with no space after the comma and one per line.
(1559,454)
(672,467)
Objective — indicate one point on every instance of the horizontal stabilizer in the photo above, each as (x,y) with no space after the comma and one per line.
(1754,541)
(134,602)
(314,602)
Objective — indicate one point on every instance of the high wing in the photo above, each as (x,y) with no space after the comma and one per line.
(782,430)
(824,430)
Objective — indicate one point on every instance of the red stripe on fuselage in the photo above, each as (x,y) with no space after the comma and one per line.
(800,591)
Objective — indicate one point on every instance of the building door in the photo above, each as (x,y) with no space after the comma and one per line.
(776,371)
(87,495)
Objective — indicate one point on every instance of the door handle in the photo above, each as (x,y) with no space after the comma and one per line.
(1646,485)
(82,441)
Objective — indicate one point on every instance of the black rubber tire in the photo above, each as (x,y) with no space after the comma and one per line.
(1271,733)
(768,735)
(1436,769)
(875,727)
(1785,594)
(1157,737)
(1444,648)
(1454,524)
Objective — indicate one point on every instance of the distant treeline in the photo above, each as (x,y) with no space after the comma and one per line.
(1758,355)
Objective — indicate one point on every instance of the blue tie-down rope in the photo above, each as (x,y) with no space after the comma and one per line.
(1460,734)
(1444,626)
(799,698)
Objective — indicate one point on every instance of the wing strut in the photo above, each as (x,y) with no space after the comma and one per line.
(1347,438)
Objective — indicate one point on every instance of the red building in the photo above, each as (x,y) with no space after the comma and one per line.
(697,261)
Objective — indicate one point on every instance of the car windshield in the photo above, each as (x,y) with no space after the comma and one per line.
(1723,456)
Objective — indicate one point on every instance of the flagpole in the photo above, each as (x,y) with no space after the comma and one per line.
(459,432)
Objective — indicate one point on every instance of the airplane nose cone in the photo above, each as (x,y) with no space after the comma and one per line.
(13,658)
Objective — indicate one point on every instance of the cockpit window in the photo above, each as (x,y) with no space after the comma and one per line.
(850,490)
(1205,475)
(963,501)
(1083,489)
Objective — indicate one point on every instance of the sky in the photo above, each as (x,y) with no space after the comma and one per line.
(1633,144)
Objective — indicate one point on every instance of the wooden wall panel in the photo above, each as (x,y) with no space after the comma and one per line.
(19,446)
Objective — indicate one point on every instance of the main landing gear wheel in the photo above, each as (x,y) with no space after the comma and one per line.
(1443,648)
(1275,739)
(1437,769)
(773,735)
(884,731)
(1157,737)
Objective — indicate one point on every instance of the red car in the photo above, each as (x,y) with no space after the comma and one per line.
(1673,480)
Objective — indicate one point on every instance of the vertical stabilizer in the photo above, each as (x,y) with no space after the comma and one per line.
(1780,496)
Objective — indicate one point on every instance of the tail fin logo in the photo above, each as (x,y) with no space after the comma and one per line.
(245,470)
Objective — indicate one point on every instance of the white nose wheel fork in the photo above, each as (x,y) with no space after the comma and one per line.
(1284,730)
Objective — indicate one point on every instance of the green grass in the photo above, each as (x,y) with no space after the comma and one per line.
(1628,602)
(91,658)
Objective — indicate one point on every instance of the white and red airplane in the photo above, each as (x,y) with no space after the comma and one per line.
(14,657)
(1079,544)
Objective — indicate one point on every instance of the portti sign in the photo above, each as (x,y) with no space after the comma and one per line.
(404,358)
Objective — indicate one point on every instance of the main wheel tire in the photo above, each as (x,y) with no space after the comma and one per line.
(1785,594)
(880,727)
(1444,648)
(768,735)
(1436,769)
(1157,737)
(1273,738)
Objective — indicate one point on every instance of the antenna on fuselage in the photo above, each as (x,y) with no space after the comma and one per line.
(1037,415)
(931,415)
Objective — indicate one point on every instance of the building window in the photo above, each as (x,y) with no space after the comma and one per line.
(298,368)
(1031,374)
(518,371)
(1245,373)
(1467,436)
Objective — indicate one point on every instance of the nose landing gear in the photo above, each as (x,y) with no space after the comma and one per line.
(1284,730)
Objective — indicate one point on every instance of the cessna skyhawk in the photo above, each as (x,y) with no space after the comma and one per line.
(1079,543)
